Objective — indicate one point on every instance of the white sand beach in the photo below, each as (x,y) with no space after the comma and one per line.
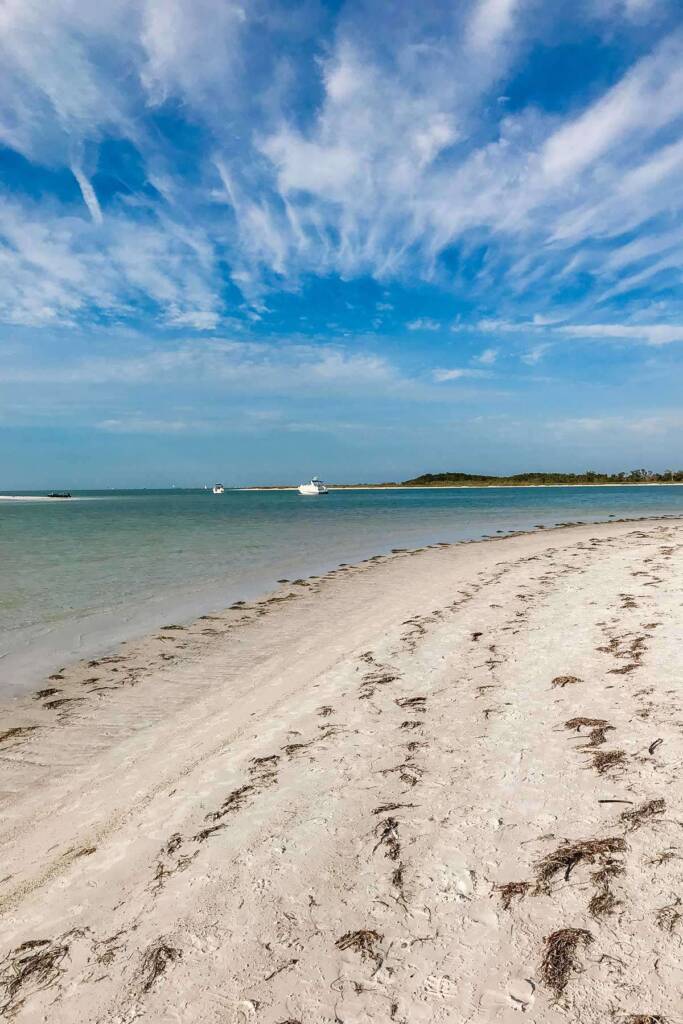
(441,785)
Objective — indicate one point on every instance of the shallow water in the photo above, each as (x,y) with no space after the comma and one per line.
(79,575)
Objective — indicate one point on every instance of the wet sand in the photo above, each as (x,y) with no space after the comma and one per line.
(441,785)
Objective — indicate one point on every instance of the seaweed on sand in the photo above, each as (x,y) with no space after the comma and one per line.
(603,901)
(362,941)
(512,890)
(17,732)
(566,857)
(645,1018)
(606,760)
(387,836)
(639,815)
(565,681)
(577,723)
(597,736)
(385,808)
(31,967)
(560,956)
(233,802)
(416,703)
(155,960)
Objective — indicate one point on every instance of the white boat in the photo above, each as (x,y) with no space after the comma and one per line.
(315,486)
(218,489)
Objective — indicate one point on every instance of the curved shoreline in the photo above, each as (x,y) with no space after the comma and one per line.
(107,633)
(303,805)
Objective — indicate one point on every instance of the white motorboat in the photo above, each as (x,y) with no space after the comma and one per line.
(315,486)
(218,489)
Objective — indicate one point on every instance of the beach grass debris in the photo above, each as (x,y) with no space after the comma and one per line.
(362,941)
(417,703)
(291,749)
(233,802)
(386,808)
(566,857)
(387,836)
(264,764)
(411,723)
(49,692)
(560,959)
(563,681)
(603,903)
(31,967)
(639,815)
(644,1018)
(510,891)
(17,732)
(172,844)
(581,721)
(607,760)
(155,961)
(597,736)
(663,857)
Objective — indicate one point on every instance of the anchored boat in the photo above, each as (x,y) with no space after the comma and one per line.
(315,486)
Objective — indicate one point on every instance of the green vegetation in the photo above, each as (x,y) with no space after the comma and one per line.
(636,476)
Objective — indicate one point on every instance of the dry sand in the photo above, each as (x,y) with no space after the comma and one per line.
(439,786)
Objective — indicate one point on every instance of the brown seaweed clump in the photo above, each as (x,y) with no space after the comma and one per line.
(362,941)
(607,760)
(565,681)
(155,960)
(560,958)
(566,857)
(639,815)
(511,891)
(17,732)
(31,967)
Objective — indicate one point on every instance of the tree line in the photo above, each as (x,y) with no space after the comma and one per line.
(591,476)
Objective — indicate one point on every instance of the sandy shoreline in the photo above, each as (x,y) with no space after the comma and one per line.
(374,795)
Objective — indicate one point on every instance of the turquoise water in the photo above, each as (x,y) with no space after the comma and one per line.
(79,575)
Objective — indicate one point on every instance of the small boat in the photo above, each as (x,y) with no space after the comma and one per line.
(315,486)
(59,494)
(218,489)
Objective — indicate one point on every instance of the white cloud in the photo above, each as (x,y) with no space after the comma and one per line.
(404,155)
(423,324)
(88,193)
(636,425)
(490,22)
(647,334)
(225,364)
(457,373)
(487,357)
(535,354)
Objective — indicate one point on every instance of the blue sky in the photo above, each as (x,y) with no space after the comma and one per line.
(253,242)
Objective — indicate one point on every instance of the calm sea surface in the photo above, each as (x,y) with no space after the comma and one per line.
(77,576)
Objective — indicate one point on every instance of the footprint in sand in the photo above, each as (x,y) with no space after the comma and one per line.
(521,993)
(439,986)
(245,1012)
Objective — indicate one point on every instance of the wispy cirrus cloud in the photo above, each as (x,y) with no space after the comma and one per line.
(269,147)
